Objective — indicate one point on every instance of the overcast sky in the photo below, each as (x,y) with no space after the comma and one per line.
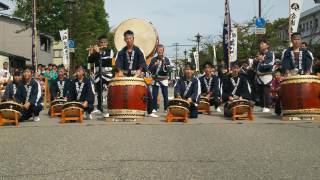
(179,20)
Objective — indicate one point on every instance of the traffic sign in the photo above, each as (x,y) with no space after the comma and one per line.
(260,30)
(260,22)
(71,43)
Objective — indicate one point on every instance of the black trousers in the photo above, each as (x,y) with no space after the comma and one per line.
(215,101)
(149,100)
(100,94)
(193,111)
(32,111)
(264,95)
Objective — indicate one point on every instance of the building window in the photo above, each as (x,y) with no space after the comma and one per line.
(45,43)
(316,23)
(310,24)
(307,26)
(57,53)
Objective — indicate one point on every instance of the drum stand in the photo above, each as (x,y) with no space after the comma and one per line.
(74,118)
(205,110)
(171,117)
(237,116)
(53,113)
(10,121)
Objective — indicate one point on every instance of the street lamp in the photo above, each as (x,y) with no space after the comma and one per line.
(70,4)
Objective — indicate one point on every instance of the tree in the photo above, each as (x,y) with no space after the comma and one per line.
(89,20)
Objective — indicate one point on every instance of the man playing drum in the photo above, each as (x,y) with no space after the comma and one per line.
(210,85)
(131,62)
(296,60)
(31,96)
(188,88)
(235,87)
(82,91)
(104,55)
(11,93)
(60,88)
(159,68)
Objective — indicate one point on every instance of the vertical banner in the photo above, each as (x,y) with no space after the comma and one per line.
(64,35)
(196,60)
(233,45)
(226,33)
(294,15)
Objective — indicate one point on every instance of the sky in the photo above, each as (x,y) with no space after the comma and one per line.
(180,20)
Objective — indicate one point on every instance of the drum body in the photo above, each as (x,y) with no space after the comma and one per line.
(300,95)
(146,36)
(57,105)
(179,107)
(204,103)
(72,109)
(242,106)
(127,98)
(9,109)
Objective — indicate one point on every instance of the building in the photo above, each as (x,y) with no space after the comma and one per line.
(3,7)
(309,25)
(16,43)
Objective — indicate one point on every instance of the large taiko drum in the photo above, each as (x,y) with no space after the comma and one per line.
(179,107)
(127,98)
(9,109)
(300,95)
(146,36)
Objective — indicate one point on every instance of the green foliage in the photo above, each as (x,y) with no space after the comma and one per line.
(87,22)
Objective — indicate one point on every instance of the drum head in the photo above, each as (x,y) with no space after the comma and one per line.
(145,35)
(127,81)
(72,104)
(11,105)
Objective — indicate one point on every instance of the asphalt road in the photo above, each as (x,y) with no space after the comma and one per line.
(210,147)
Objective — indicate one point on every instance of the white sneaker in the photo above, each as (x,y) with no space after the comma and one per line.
(154,111)
(266,110)
(36,119)
(106,115)
(97,111)
(218,110)
(153,115)
(89,116)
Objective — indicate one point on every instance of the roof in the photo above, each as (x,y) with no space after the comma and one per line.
(310,11)
(10,17)
(13,56)
(3,6)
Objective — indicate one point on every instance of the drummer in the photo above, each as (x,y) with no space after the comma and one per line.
(159,68)
(60,88)
(81,90)
(235,87)
(210,85)
(131,62)
(31,96)
(104,55)
(188,88)
(296,60)
(11,93)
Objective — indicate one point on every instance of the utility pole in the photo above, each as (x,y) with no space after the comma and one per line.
(260,8)
(34,36)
